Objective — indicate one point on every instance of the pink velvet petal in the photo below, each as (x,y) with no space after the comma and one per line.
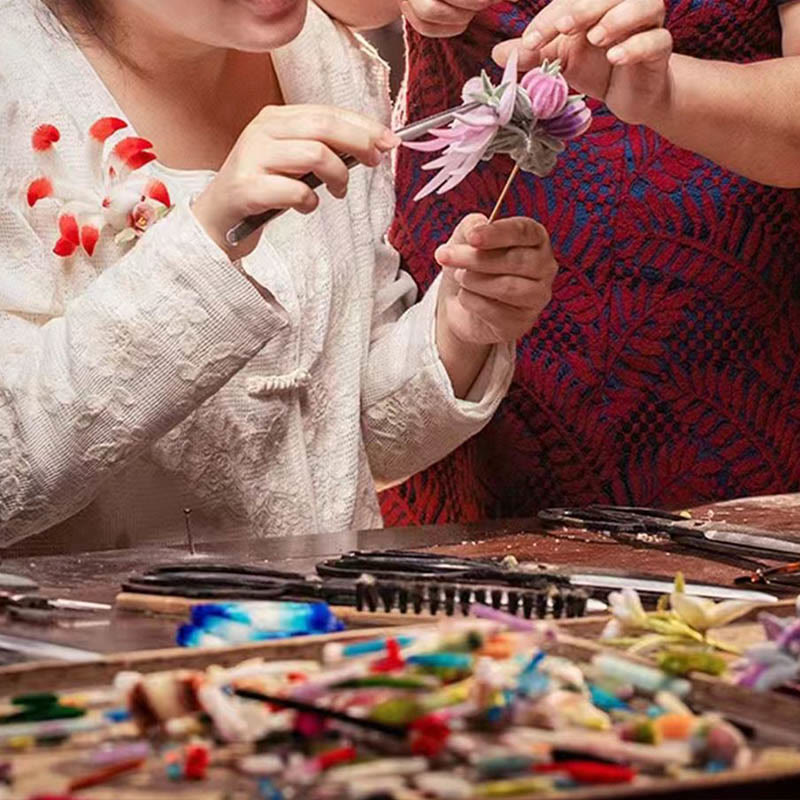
(509,98)
(428,146)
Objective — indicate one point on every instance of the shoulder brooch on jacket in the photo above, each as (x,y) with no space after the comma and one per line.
(116,196)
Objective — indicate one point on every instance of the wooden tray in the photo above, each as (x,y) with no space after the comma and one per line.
(56,766)
(775,723)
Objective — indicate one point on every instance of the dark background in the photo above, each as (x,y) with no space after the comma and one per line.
(389,42)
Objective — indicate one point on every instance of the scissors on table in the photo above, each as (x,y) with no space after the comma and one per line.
(738,545)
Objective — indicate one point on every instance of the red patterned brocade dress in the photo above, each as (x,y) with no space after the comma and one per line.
(666,370)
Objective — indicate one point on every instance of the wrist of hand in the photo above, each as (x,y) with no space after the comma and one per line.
(660,112)
(203,208)
(462,359)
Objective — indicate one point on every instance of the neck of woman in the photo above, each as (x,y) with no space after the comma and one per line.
(191,99)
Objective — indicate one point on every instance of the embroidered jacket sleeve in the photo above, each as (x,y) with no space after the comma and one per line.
(411,417)
(148,341)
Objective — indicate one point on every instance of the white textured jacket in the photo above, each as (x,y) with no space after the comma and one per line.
(152,376)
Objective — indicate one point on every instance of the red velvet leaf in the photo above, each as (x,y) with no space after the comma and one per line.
(44,137)
(68,226)
(157,191)
(64,247)
(130,148)
(38,189)
(89,236)
(105,126)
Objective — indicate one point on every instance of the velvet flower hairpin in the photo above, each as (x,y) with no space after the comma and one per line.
(116,197)
(678,633)
(776,662)
(530,120)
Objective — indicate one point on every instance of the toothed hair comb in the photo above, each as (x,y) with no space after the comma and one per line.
(393,582)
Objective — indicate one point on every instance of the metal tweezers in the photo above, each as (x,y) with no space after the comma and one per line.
(407,133)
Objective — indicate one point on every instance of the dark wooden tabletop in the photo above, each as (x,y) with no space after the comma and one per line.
(98,576)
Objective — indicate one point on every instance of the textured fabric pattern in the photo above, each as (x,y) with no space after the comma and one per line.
(132,387)
(666,370)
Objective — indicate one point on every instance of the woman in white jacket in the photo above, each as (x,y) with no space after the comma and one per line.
(145,365)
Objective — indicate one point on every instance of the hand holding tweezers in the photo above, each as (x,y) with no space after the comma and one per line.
(407,133)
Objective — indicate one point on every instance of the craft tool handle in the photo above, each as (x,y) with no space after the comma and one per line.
(251,224)
(157,604)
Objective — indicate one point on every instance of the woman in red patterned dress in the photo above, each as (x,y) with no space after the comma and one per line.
(666,371)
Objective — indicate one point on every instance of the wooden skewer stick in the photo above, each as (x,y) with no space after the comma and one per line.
(499,203)
(105,774)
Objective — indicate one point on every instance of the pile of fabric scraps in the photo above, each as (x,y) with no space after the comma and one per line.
(220,624)
(463,710)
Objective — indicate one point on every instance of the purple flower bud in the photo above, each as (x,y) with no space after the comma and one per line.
(472,87)
(574,120)
(547,90)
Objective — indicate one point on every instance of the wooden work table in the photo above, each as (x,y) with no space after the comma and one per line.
(97,576)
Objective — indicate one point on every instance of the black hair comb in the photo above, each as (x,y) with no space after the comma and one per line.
(409,582)
(389,582)
(400,580)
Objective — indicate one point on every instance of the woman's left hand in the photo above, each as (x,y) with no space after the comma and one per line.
(497,279)
(617,51)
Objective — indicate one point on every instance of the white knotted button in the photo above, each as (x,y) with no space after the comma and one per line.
(265,385)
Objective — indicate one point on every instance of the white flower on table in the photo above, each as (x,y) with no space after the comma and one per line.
(703,614)
(628,614)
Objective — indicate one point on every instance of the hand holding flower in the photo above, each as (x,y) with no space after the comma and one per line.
(497,280)
(617,51)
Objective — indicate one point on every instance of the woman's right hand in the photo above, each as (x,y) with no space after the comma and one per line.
(281,144)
